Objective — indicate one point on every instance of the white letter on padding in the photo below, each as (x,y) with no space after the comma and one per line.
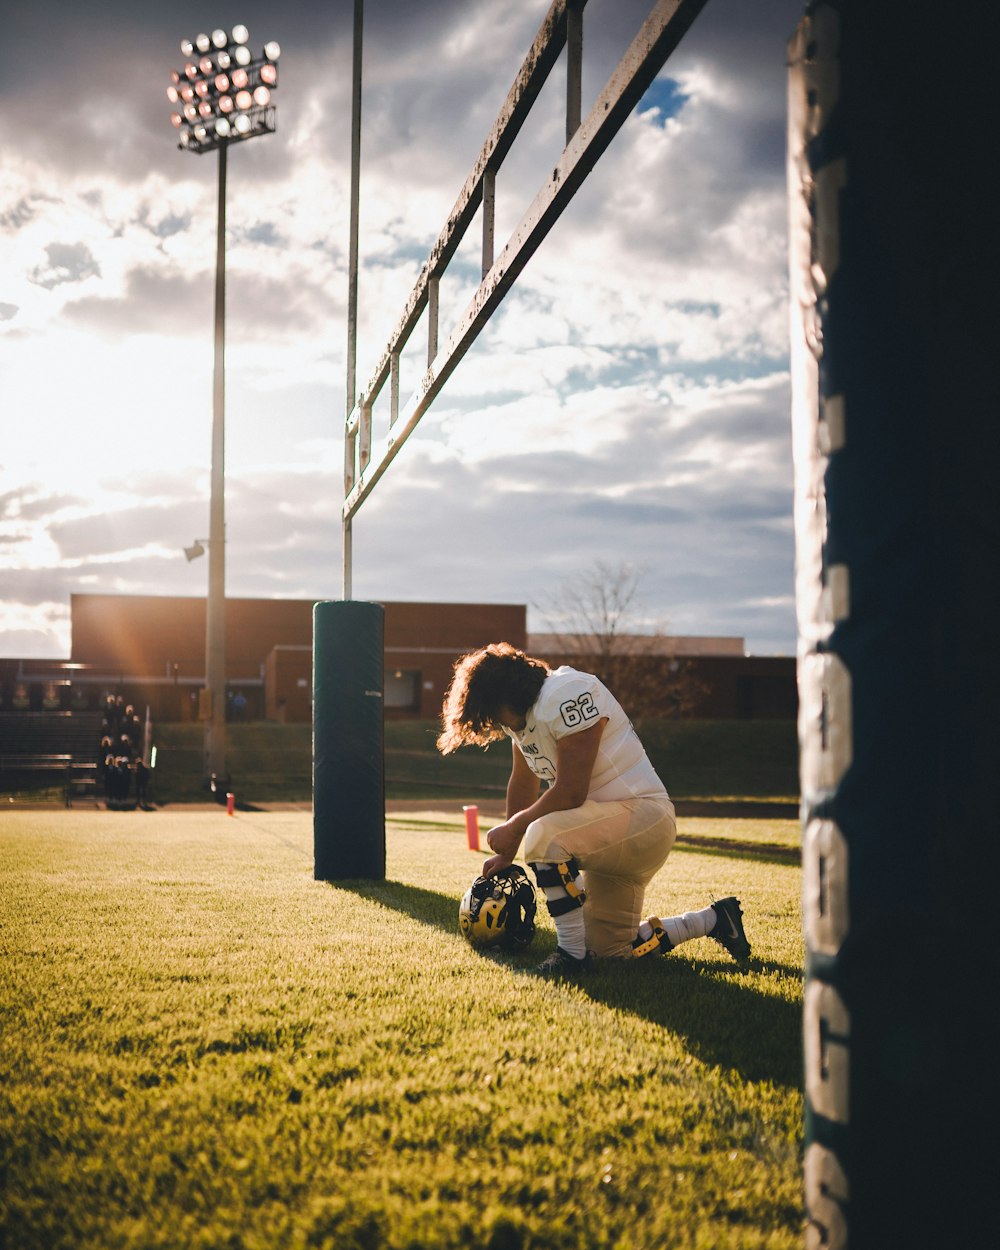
(827,1025)
(826,1192)
(824,887)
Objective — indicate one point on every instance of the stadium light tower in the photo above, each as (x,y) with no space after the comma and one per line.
(222,95)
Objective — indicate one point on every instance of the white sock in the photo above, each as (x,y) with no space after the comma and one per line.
(571,933)
(693,924)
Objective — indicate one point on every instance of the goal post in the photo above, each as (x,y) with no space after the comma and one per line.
(366,457)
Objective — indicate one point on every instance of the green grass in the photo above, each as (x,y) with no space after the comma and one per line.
(204,1047)
(269,762)
(756,759)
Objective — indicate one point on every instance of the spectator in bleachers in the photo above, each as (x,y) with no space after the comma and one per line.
(108,779)
(142,775)
(104,753)
(123,781)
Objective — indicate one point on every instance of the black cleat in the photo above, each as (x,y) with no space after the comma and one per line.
(562,964)
(728,931)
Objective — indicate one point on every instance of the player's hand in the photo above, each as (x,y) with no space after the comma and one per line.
(505,839)
(495,864)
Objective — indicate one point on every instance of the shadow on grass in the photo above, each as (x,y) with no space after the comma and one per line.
(722,1018)
(428,906)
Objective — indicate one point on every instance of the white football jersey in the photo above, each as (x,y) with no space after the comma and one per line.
(570,701)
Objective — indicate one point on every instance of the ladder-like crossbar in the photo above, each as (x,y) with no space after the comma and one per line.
(586,140)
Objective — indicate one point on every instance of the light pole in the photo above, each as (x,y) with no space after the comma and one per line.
(222,96)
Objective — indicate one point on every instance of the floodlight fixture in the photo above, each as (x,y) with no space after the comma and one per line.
(196,549)
(220,70)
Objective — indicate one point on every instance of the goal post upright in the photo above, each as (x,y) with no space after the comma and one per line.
(352,280)
(348,646)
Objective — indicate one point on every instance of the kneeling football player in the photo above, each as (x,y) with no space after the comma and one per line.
(603,825)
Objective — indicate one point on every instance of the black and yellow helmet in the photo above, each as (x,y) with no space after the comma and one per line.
(499,910)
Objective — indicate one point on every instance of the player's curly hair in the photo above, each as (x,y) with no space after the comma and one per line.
(484,681)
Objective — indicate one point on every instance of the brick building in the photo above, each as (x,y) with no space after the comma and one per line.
(151,649)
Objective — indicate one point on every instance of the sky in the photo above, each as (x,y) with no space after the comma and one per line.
(628,405)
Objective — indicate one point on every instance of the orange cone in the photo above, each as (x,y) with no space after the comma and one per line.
(472,826)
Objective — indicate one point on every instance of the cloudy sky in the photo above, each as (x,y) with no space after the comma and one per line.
(628,404)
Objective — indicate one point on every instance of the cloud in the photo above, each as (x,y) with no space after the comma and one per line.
(67,262)
(157,300)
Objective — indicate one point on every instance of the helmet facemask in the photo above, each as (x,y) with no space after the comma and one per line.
(499,911)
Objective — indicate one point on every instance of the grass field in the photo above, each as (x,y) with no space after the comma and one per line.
(204,1047)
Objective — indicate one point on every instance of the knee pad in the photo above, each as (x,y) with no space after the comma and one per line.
(558,882)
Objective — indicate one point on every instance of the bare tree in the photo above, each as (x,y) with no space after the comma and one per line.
(593,617)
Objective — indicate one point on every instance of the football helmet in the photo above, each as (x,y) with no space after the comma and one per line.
(499,911)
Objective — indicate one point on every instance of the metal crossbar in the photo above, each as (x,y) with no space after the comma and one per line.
(586,140)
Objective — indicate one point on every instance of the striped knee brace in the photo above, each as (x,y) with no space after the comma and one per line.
(558,883)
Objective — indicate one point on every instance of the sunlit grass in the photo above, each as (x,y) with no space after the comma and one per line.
(203,1046)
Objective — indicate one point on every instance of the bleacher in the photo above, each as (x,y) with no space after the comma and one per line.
(41,751)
